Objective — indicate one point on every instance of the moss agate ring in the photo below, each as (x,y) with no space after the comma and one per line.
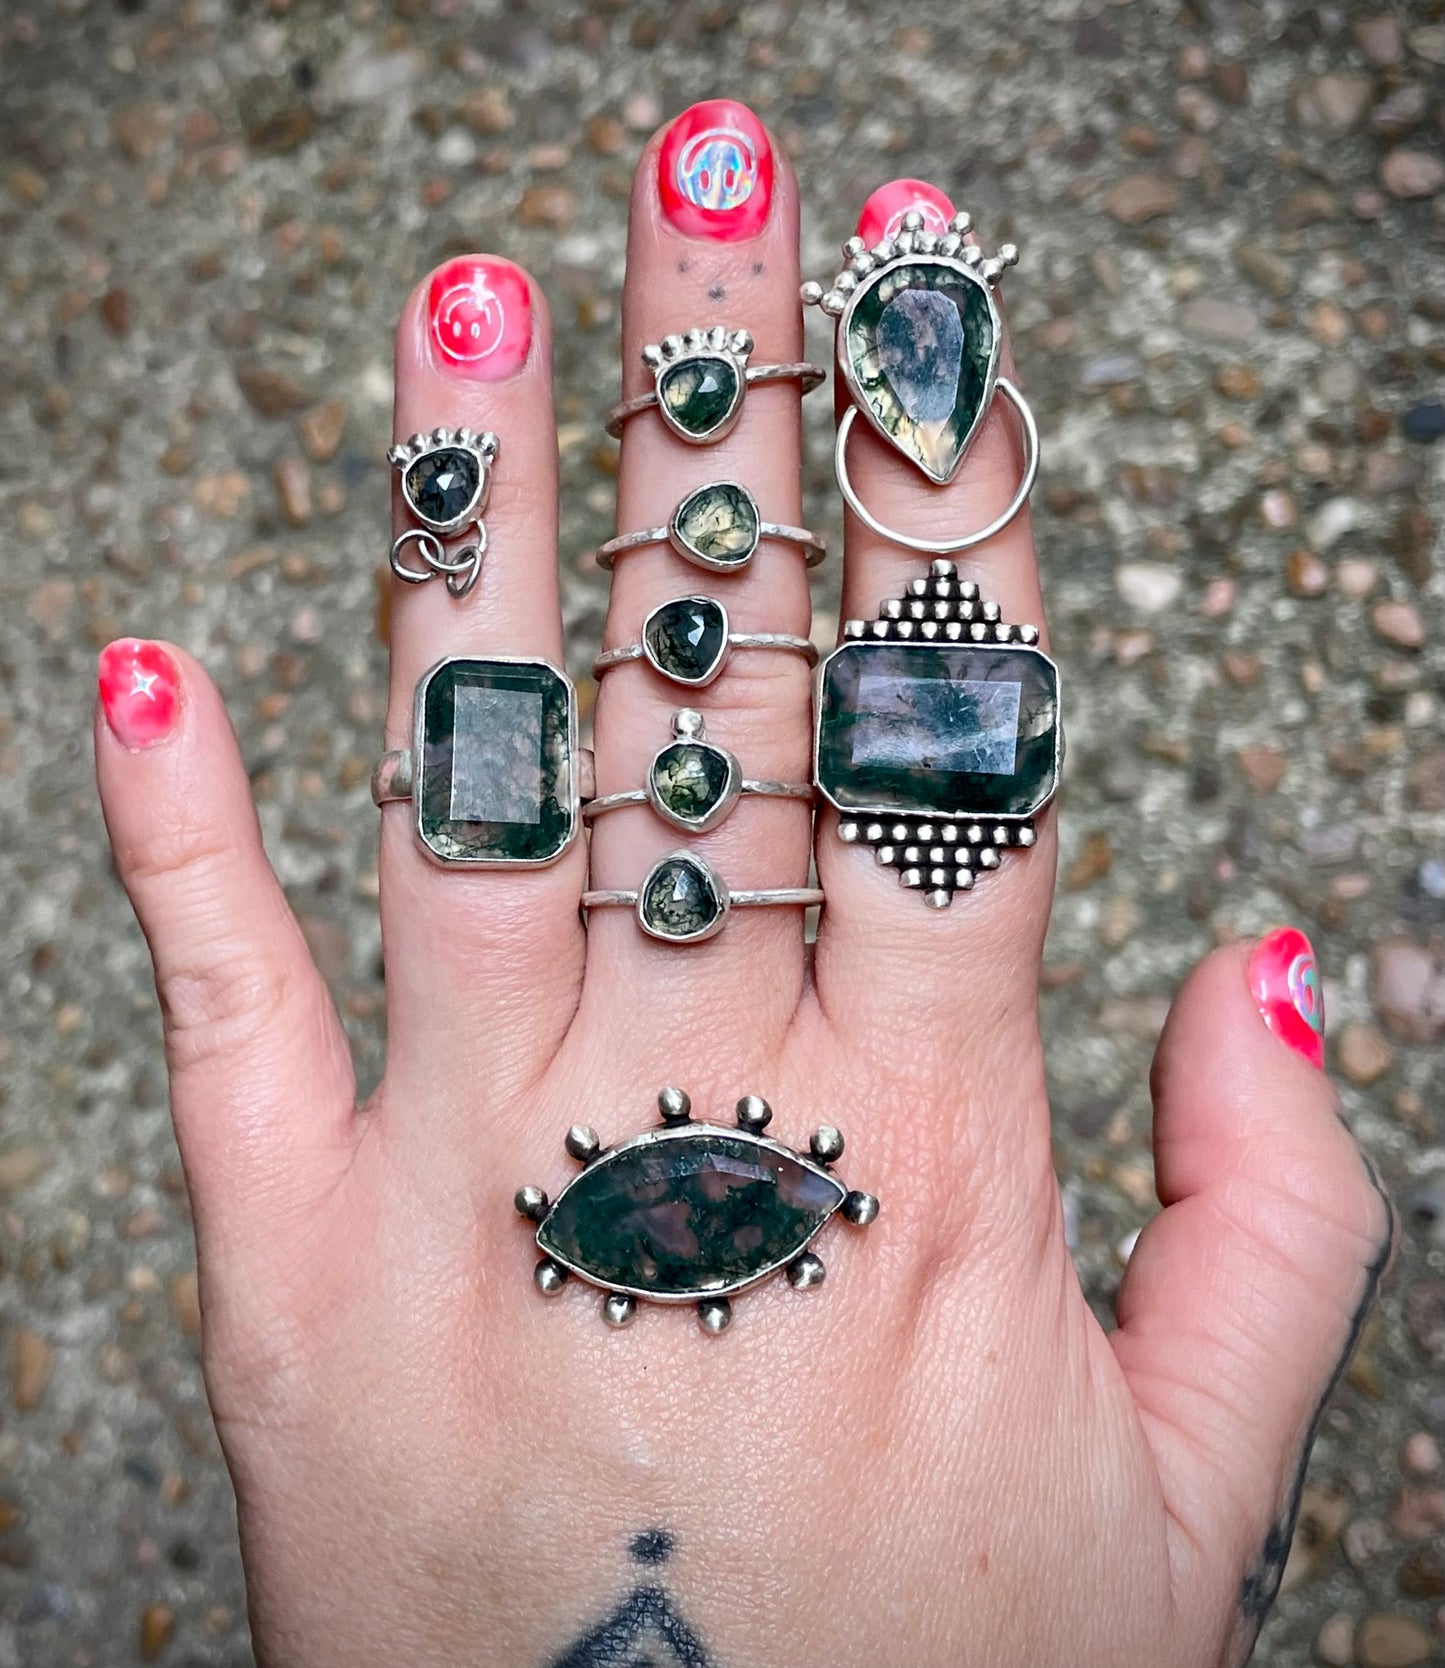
(688,640)
(700,379)
(683,899)
(494,773)
(918,343)
(690,1212)
(446,478)
(693,783)
(718,527)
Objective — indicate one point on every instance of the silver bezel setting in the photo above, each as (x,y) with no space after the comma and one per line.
(483,448)
(688,730)
(690,552)
(714,342)
(715,880)
(714,671)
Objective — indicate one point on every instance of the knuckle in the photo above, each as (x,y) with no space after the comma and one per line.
(220,1002)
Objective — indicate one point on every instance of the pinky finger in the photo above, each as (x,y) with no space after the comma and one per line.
(260,1073)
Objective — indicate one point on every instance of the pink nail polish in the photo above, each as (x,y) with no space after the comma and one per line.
(715,172)
(1285,984)
(883,213)
(479,315)
(140,692)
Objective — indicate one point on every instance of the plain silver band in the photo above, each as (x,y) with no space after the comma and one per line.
(944,547)
(392,777)
(736,640)
(808,374)
(803,897)
(814,544)
(638,796)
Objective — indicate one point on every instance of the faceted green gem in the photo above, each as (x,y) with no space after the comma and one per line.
(923,729)
(921,348)
(687,1212)
(690,780)
(494,762)
(441,486)
(681,900)
(686,639)
(717,526)
(699,394)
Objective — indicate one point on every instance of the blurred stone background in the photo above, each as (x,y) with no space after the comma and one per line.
(1228,319)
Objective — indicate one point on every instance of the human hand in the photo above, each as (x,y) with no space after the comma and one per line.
(939,1458)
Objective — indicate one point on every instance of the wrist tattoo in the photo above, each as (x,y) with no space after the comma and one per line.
(646,1629)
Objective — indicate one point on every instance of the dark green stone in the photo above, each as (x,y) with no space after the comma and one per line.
(680,899)
(441,484)
(700,393)
(494,769)
(928,729)
(690,779)
(685,1214)
(921,344)
(718,525)
(686,638)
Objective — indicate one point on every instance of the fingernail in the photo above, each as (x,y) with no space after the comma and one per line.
(715,172)
(1285,984)
(479,314)
(883,213)
(140,692)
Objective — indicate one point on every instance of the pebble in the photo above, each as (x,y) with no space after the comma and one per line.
(1147,586)
(292,480)
(1409,991)
(1422,1573)
(1355,578)
(1364,1055)
(1263,767)
(1400,110)
(1409,174)
(34,1362)
(1139,198)
(1220,321)
(1420,1454)
(1389,1640)
(156,1629)
(270,391)
(1418,1513)
(1335,1642)
(1381,40)
(1305,574)
(1399,623)
(321,428)
(1332,105)
(1424,422)
(547,205)
(1365,1539)
(1269,271)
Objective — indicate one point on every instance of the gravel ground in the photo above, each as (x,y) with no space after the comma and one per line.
(1228,316)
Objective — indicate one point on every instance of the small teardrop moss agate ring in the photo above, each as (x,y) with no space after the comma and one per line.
(718,527)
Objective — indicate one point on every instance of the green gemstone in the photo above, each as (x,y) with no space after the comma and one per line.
(956,730)
(494,765)
(700,393)
(922,342)
(718,526)
(689,1212)
(686,639)
(690,780)
(681,900)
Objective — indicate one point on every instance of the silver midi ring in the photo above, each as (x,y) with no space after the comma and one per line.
(918,344)
(719,527)
(446,479)
(684,900)
(700,379)
(693,783)
(689,639)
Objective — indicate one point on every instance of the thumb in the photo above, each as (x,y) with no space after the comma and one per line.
(1245,1296)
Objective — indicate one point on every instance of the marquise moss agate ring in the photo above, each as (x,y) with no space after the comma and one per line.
(693,783)
(718,527)
(688,640)
(700,379)
(690,1212)
(446,478)
(918,344)
(683,899)
(494,773)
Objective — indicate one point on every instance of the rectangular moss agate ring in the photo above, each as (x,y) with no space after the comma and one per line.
(494,773)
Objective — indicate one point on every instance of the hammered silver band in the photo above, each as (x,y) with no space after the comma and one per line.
(735,640)
(640,796)
(801,897)
(801,370)
(815,547)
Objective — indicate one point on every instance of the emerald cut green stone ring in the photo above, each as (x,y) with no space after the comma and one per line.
(700,379)
(719,527)
(693,783)
(918,344)
(494,773)
(690,1212)
(939,737)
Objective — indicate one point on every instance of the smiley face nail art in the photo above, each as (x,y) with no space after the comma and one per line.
(882,215)
(479,316)
(1285,983)
(715,172)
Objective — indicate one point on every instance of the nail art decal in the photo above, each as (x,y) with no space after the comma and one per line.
(1285,983)
(480,316)
(139,692)
(715,171)
(882,215)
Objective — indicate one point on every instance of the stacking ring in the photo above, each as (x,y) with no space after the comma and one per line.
(719,527)
(688,640)
(683,899)
(918,344)
(692,782)
(446,478)
(700,379)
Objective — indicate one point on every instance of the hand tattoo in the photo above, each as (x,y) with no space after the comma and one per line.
(645,1630)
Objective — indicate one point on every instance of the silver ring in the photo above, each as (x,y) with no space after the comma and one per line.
(693,783)
(688,640)
(700,379)
(718,527)
(683,899)
(446,479)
